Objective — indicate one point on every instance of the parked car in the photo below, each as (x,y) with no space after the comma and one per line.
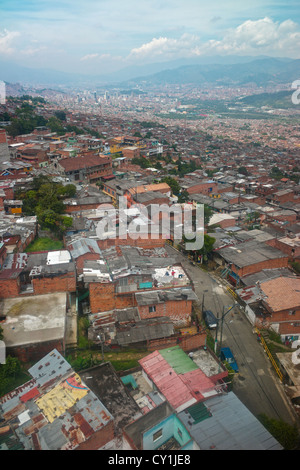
(210,319)
(226,355)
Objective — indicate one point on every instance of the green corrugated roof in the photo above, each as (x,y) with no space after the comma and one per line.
(199,412)
(178,360)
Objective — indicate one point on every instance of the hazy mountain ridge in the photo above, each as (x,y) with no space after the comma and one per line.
(261,72)
(213,70)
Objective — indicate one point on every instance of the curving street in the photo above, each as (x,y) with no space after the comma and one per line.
(257,384)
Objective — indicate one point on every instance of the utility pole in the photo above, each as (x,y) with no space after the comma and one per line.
(222,323)
(101,339)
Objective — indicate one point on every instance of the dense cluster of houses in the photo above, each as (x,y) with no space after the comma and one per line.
(173,402)
(134,293)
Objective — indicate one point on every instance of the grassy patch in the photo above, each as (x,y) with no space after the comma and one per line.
(44,244)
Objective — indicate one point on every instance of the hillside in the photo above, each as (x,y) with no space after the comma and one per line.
(278,100)
(260,72)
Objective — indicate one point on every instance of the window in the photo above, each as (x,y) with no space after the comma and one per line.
(152,309)
(157,435)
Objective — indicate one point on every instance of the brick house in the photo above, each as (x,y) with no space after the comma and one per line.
(83,249)
(279,197)
(281,299)
(126,276)
(37,273)
(199,187)
(131,152)
(248,258)
(87,168)
(290,245)
(173,303)
(33,154)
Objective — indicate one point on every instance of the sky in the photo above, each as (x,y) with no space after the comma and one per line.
(103,36)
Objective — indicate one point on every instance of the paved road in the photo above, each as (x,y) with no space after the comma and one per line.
(257,384)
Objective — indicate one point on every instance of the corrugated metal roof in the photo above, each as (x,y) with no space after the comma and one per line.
(231,427)
(178,360)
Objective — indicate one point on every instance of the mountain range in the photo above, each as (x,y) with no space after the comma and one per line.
(226,71)
(261,72)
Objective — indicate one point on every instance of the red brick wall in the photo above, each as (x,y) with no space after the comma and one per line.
(140,242)
(178,311)
(285,248)
(3,139)
(35,352)
(255,268)
(289,329)
(66,283)
(283,316)
(161,200)
(103,298)
(187,343)
(9,193)
(292,218)
(203,188)
(227,223)
(131,153)
(284,198)
(81,207)
(9,288)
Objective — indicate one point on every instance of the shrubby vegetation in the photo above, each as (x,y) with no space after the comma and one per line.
(284,433)
(10,375)
(45,200)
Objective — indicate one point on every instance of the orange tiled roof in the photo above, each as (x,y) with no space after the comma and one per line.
(150,187)
(282,293)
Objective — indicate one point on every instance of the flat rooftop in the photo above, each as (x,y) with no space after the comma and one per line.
(34,319)
(208,363)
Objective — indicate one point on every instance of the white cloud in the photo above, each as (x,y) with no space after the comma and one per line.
(31,51)
(263,36)
(6,40)
(166,47)
(90,56)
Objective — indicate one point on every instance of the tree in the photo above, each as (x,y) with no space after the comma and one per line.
(276,173)
(243,171)
(8,372)
(207,248)
(12,366)
(208,245)
(55,125)
(68,191)
(1,333)
(45,200)
(174,185)
(61,115)
(208,213)
(284,433)
(183,196)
